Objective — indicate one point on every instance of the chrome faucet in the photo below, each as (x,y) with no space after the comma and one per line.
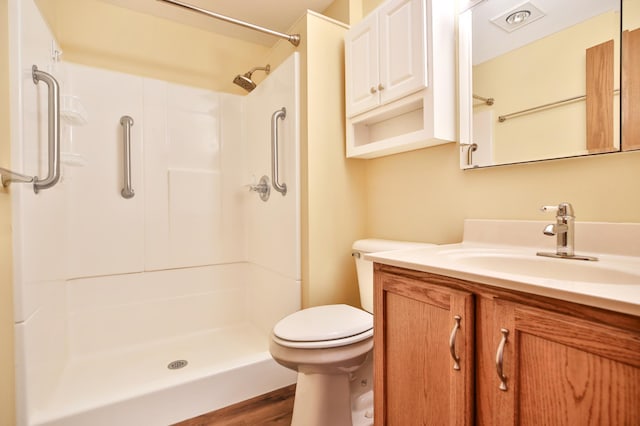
(564,230)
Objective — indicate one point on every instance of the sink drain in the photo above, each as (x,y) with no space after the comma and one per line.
(175,365)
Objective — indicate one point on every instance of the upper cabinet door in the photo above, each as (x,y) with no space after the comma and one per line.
(362,77)
(403,56)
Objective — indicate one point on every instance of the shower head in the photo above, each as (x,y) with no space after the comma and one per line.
(245,81)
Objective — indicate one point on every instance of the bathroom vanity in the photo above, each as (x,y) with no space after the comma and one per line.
(486,332)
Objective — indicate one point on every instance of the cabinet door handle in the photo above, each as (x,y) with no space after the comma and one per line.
(373,90)
(452,343)
(380,86)
(499,363)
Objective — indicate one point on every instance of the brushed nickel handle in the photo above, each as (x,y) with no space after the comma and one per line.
(452,343)
(499,363)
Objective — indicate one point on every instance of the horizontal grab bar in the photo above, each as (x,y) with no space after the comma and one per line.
(488,101)
(505,117)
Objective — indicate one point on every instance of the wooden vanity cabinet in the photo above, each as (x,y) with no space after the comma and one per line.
(563,363)
(562,369)
(414,375)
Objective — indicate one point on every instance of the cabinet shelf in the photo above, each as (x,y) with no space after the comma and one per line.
(401,126)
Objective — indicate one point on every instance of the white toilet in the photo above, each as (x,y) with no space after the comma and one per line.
(328,346)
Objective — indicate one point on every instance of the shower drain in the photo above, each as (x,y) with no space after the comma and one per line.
(175,365)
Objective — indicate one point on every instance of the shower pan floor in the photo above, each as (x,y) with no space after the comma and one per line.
(134,385)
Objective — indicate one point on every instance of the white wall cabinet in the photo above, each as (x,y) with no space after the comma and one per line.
(385,55)
(400,78)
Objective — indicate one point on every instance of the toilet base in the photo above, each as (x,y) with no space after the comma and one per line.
(349,396)
(362,394)
(316,392)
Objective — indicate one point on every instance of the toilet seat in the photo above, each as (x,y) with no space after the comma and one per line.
(325,326)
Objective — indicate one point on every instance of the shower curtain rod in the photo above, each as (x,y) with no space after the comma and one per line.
(291,38)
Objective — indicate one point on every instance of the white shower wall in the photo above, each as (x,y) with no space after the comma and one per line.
(188,209)
(192,251)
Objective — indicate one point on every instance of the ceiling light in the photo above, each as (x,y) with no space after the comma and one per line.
(518,17)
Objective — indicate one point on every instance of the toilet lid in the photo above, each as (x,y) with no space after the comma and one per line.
(321,323)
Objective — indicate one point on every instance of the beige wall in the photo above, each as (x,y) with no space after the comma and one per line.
(347,11)
(7,398)
(631,19)
(103,35)
(336,202)
(422,195)
(369,5)
(338,10)
(332,200)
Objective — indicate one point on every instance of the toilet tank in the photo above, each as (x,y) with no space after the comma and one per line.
(364,268)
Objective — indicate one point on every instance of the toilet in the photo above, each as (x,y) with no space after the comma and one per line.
(331,348)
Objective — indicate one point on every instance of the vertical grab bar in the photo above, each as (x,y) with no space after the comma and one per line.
(280,187)
(53,105)
(126,122)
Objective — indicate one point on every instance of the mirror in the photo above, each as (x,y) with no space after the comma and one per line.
(630,75)
(539,79)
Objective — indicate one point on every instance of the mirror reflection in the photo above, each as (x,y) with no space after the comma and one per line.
(545,80)
(631,75)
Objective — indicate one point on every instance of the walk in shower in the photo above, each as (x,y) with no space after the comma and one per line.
(148,278)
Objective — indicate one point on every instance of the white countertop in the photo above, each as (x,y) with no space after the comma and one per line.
(496,240)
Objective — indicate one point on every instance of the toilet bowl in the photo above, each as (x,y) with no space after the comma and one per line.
(327,345)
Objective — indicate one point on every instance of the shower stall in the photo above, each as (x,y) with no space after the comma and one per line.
(148,278)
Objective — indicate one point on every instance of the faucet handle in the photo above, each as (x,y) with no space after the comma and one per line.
(545,209)
(562,209)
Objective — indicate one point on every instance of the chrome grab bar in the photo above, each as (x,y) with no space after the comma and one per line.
(505,117)
(53,105)
(488,101)
(126,122)
(280,187)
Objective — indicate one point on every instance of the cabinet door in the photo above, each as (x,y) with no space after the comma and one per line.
(361,66)
(415,379)
(565,370)
(402,48)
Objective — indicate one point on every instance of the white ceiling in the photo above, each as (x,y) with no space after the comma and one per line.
(276,15)
(490,41)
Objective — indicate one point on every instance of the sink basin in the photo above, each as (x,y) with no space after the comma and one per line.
(502,254)
(600,272)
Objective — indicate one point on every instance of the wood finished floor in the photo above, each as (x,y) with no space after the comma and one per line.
(271,409)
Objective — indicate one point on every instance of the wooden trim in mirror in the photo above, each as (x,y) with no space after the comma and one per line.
(631,90)
(599,97)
